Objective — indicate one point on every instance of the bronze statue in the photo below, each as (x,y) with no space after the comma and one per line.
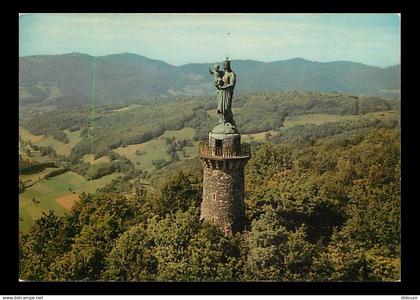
(225,88)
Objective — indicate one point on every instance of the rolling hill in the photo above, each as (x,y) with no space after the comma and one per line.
(66,80)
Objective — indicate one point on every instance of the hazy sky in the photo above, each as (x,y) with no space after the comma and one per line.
(372,39)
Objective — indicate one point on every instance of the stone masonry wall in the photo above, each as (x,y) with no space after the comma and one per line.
(223,194)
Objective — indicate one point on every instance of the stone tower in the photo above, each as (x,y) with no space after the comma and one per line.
(224,158)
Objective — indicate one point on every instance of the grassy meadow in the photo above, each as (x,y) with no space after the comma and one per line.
(89,159)
(49,191)
(156,149)
(313,119)
(59,147)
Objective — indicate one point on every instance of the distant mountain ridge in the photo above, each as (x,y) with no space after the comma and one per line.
(67,79)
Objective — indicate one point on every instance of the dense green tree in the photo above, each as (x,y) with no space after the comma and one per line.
(213,256)
(267,161)
(267,239)
(299,256)
(179,192)
(98,221)
(41,246)
(133,257)
(172,236)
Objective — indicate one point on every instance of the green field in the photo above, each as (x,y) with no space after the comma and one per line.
(59,147)
(316,119)
(32,178)
(48,190)
(36,156)
(258,137)
(127,108)
(27,136)
(156,149)
(88,158)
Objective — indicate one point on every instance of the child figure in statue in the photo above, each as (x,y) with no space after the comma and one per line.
(217,75)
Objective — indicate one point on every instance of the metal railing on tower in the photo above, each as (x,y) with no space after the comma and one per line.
(239,151)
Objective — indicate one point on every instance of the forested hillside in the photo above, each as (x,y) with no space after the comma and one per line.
(326,209)
(62,81)
(116,126)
